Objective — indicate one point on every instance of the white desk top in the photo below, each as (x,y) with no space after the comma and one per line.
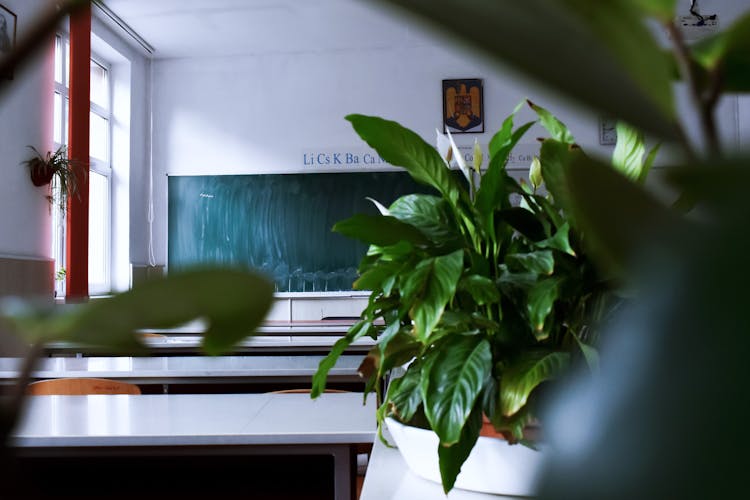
(183,342)
(188,419)
(389,478)
(181,368)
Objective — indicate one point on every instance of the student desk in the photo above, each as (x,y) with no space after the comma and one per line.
(229,424)
(271,337)
(203,370)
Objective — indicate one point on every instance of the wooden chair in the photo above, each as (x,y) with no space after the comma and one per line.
(80,387)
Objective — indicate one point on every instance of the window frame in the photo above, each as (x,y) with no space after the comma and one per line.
(96,165)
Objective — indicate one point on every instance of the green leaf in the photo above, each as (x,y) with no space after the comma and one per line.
(648,163)
(559,241)
(541,262)
(481,289)
(557,129)
(525,373)
(379,230)
(232,302)
(430,286)
(598,53)
(503,136)
(590,354)
(494,186)
(375,277)
(430,214)
(405,393)
(524,221)
(618,217)
(451,458)
(452,378)
(400,349)
(401,147)
(627,156)
(555,157)
(357,331)
(729,53)
(541,298)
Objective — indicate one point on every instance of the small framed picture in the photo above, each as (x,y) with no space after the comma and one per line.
(463,106)
(7,35)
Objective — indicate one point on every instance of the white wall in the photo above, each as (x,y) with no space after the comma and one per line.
(25,119)
(130,144)
(262,112)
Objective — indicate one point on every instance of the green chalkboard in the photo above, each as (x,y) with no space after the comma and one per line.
(278,223)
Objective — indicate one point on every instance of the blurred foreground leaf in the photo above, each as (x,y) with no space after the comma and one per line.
(232,302)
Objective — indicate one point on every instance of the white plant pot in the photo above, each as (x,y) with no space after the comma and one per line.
(493,466)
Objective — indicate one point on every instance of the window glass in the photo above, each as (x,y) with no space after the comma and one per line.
(57,134)
(99,85)
(58,59)
(98,230)
(66,68)
(98,137)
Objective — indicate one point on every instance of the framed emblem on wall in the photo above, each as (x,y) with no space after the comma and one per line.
(463,106)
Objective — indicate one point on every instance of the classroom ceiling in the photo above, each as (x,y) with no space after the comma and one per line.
(211,28)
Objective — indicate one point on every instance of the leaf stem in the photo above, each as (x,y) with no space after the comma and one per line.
(704,102)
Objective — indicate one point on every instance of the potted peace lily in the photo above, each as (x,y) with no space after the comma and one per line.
(485,301)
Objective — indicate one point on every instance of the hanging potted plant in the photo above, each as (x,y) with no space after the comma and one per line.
(485,301)
(44,168)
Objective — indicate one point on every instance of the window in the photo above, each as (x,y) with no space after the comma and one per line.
(100,172)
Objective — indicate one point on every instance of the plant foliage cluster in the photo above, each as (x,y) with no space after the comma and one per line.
(486,300)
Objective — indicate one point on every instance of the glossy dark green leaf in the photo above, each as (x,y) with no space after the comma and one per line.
(357,331)
(482,289)
(379,230)
(729,52)
(401,147)
(555,157)
(524,221)
(400,349)
(541,298)
(559,241)
(405,393)
(627,156)
(540,262)
(598,53)
(503,136)
(557,129)
(494,188)
(452,379)
(430,214)
(431,285)
(232,302)
(375,277)
(451,458)
(525,374)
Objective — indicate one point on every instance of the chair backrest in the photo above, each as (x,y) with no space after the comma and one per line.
(80,387)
